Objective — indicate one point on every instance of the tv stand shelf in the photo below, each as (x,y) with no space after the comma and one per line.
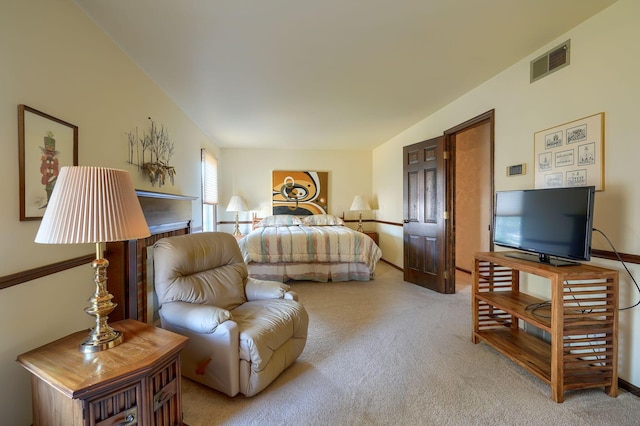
(581,318)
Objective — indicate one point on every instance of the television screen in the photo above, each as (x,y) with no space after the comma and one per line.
(548,222)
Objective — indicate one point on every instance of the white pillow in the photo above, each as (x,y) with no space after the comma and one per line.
(280,220)
(322,220)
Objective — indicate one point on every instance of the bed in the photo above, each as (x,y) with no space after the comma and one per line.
(312,248)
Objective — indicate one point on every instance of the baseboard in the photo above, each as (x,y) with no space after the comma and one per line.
(392,265)
(634,390)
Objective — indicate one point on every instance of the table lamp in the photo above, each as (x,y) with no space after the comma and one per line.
(359,204)
(236,204)
(94,205)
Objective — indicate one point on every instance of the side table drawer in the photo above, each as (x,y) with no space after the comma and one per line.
(119,407)
(164,385)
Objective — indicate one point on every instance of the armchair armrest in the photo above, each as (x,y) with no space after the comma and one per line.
(194,317)
(291,295)
(259,289)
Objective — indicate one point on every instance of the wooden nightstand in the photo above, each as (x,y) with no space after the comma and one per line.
(373,235)
(136,382)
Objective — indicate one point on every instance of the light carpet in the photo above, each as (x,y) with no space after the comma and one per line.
(387,352)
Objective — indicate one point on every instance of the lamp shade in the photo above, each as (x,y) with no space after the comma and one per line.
(236,204)
(360,204)
(92,205)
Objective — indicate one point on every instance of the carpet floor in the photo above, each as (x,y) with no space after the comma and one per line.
(386,352)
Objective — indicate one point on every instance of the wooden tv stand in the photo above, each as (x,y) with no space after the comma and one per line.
(581,318)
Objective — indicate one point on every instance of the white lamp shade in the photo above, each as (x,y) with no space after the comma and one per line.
(359,204)
(236,204)
(92,205)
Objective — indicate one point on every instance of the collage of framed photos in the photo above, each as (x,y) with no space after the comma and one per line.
(571,154)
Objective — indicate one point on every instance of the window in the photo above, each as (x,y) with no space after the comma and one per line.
(209,191)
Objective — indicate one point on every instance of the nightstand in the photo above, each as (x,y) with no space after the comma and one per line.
(136,382)
(373,235)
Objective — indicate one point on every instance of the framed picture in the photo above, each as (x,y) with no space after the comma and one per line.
(571,154)
(299,192)
(45,144)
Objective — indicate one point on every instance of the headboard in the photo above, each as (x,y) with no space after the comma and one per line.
(255,219)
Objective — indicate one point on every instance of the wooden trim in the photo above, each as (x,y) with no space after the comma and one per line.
(466,271)
(634,390)
(168,227)
(604,254)
(384,222)
(152,194)
(43,271)
(392,265)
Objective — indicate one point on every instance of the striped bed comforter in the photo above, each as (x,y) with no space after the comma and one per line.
(309,244)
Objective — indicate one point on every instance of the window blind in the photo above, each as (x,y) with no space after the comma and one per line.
(209,178)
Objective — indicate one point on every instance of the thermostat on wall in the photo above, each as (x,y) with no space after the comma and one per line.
(517,170)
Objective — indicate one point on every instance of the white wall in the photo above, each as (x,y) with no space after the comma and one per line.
(55,59)
(248,172)
(602,77)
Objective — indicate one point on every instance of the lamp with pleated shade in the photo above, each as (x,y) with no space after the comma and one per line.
(359,204)
(94,205)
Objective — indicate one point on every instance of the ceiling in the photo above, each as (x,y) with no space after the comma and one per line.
(326,74)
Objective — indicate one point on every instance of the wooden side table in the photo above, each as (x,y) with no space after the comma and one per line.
(373,235)
(135,383)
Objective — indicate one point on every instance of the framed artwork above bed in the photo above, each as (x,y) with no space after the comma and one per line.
(299,193)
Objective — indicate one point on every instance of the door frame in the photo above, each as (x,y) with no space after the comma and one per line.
(450,135)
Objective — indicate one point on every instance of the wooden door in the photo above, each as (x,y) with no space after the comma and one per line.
(425,216)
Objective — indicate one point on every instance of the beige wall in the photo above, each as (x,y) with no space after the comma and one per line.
(602,76)
(55,59)
(248,172)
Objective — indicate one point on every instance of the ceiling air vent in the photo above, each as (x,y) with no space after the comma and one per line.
(553,60)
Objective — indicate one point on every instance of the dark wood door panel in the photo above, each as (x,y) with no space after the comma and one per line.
(424,220)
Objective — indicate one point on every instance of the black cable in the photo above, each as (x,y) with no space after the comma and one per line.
(533,307)
(625,267)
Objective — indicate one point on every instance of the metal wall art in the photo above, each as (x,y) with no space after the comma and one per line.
(152,152)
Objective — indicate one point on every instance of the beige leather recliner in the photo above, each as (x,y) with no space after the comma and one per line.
(242,332)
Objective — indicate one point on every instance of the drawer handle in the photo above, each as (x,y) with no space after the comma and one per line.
(165,394)
(129,417)
(160,399)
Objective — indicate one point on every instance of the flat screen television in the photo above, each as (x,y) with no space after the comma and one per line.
(547,223)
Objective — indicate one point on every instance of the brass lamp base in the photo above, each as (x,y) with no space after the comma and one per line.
(360,228)
(95,343)
(236,231)
(102,337)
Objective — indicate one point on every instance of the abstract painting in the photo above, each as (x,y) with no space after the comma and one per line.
(299,193)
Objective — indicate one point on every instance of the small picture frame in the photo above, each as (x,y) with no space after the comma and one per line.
(45,144)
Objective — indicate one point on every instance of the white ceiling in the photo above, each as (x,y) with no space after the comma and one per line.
(326,74)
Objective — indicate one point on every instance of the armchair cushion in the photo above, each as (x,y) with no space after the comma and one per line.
(266,325)
(259,289)
(201,269)
(196,318)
